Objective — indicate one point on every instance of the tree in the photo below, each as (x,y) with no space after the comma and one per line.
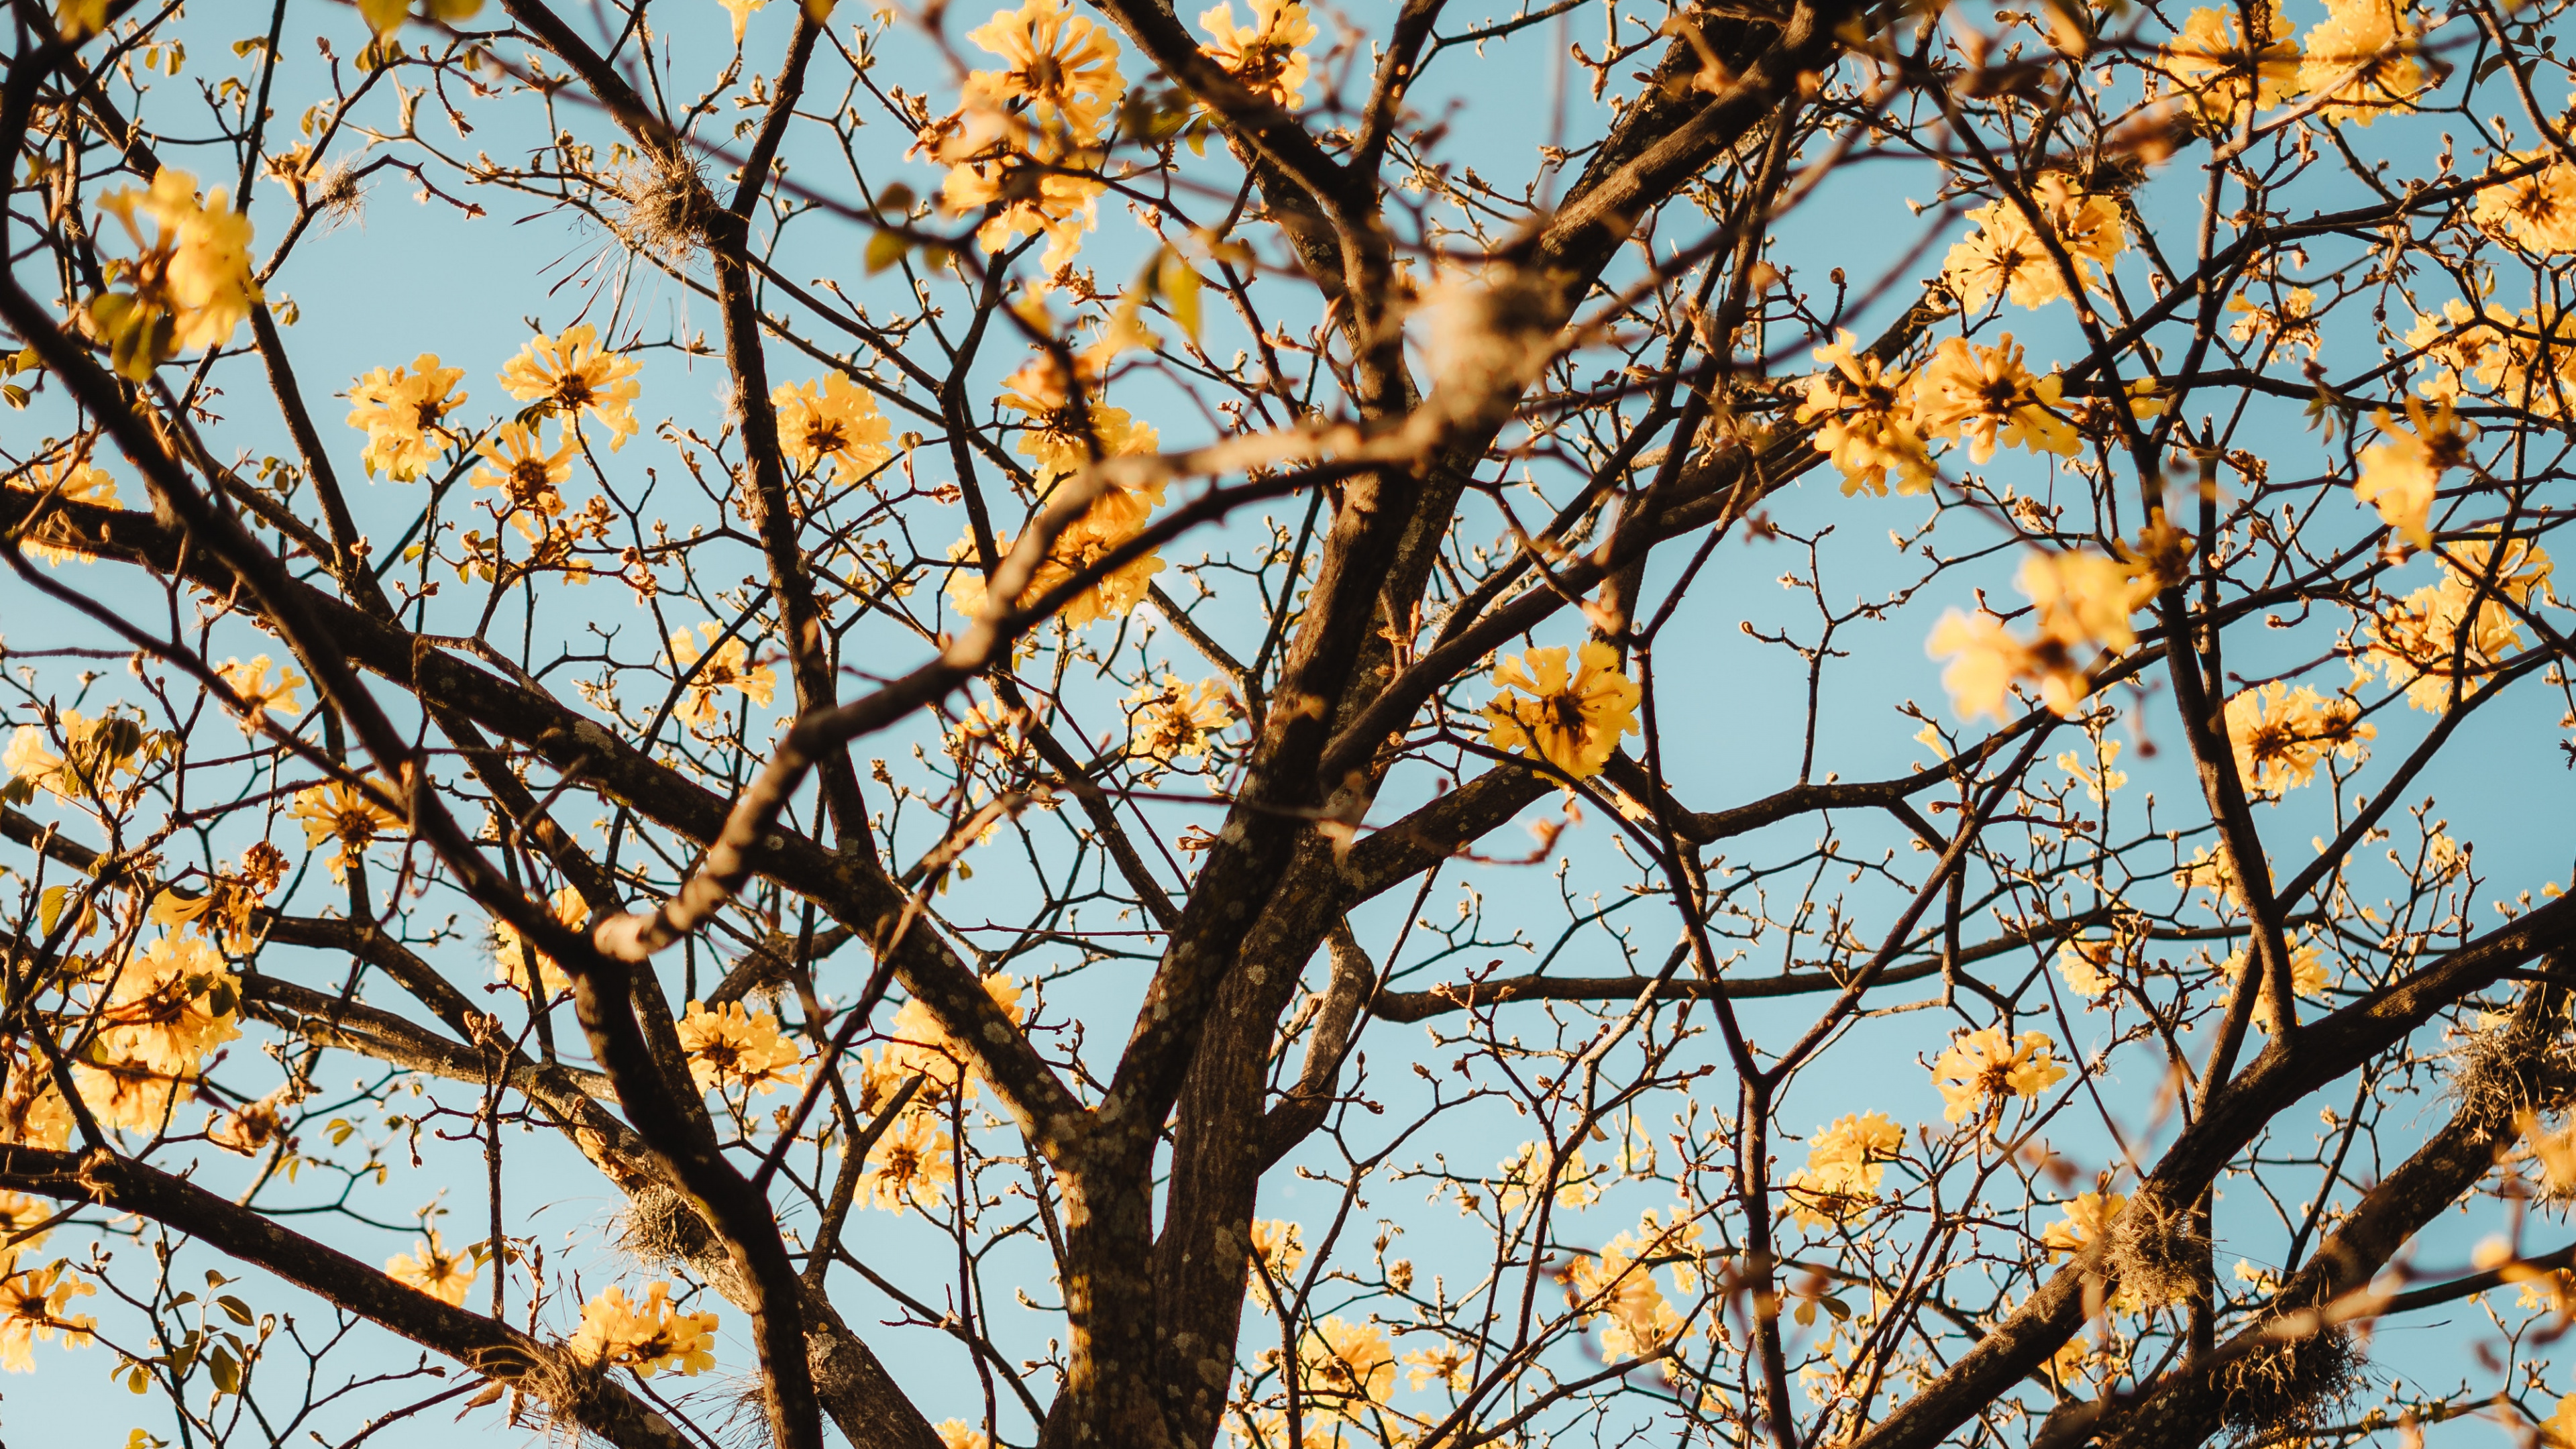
(844,824)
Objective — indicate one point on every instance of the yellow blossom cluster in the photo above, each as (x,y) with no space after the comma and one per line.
(2082,602)
(1873,420)
(2087,964)
(1023,144)
(403,412)
(913,1164)
(710,667)
(262,695)
(344,812)
(1175,721)
(1344,1370)
(572,376)
(67,480)
(189,284)
(2281,735)
(2535,207)
(1984,1067)
(2224,73)
(831,422)
(651,1336)
(512,954)
(1572,720)
(2283,324)
(734,1048)
(2310,976)
(435,1271)
(2431,641)
(164,1010)
(1066,422)
(1268,56)
(529,474)
(99,759)
(1617,1288)
(1867,420)
(2007,256)
(2400,473)
(2364,57)
(35,1304)
(1278,1251)
(1845,1162)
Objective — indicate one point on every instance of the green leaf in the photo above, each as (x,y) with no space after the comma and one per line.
(885,249)
(235,1309)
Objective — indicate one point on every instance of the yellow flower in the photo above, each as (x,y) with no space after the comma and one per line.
(433,1270)
(2215,67)
(1524,1177)
(918,1044)
(573,374)
(2087,965)
(1062,66)
(2363,56)
(1985,1064)
(250,681)
(2399,475)
(2560,1431)
(2287,325)
(18,1214)
(742,12)
(1343,1368)
(1176,721)
(2282,734)
(2415,643)
(1572,722)
(1039,190)
(649,1337)
(529,477)
(2458,346)
(1449,1364)
(2002,257)
(729,667)
(69,480)
(511,952)
(2007,257)
(2087,1218)
(403,413)
(1845,1162)
(341,811)
(170,1005)
(958,1434)
(2310,976)
(1112,596)
(35,1304)
(95,753)
(733,1047)
(911,1165)
(1267,56)
(191,284)
(831,421)
(1985,396)
(127,1093)
(1279,1250)
(1621,1290)
(2082,602)
(2536,212)
(2101,782)
(1869,425)
(1059,436)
